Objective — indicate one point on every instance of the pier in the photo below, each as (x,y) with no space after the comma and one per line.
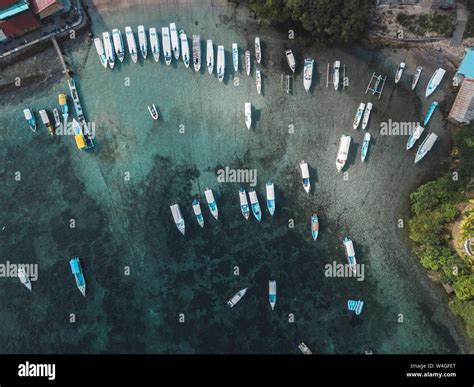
(66,70)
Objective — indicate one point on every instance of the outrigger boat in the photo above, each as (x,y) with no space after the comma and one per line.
(45,119)
(29,116)
(314,226)
(132,45)
(210,56)
(430,112)
(337,67)
(290,58)
(272,293)
(142,42)
(270,197)
(165,36)
(399,72)
(247,62)
(255,205)
(184,47)
(211,202)
(365,146)
(425,146)
(118,44)
(258,80)
(178,219)
(24,279)
(415,136)
(434,81)
(154,44)
(365,119)
(358,115)
(258,50)
(343,152)
(220,63)
(308,73)
(78,274)
(99,47)
(416,77)
(109,50)
(235,56)
(248,115)
(350,253)
(57,119)
(153,111)
(198,212)
(196,52)
(304,348)
(62,99)
(244,204)
(305,176)
(174,40)
(236,298)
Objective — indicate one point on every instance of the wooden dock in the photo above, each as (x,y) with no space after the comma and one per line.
(66,69)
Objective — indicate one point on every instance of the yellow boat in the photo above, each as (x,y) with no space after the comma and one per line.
(64,108)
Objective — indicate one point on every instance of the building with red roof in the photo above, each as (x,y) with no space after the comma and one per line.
(45,8)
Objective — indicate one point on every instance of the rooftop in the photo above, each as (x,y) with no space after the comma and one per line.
(463,107)
(14,9)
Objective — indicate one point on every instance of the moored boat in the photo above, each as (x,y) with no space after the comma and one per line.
(184,47)
(244,204)
(82,142)
(57,119)
(415,136)
(350,253)
(430,112)
(197,52)
(304,348)
(425,146)
(132,45)
(210,56)
(314,226)
(142,41)
(270,188)
(154,44)
(399,72)
(174,40)
(198,212)
(434,81)
(255,205)
(358,115)
(365,119)
(272,293)
(177,217)
(337,67)
(305,176)
(45,119)
(24,279)
(236,298)
(29,116)
(220,63)
(290,58)
(153,111)
(258,80)
(258,50)
(99,47)
(109,49)
(343,152)
(235,56)
(247,62)
(365,146)
(248,114)
(62,99)
(165,36)
(118,44)
(78,274)
(416,77)
(211,202)
(308,73)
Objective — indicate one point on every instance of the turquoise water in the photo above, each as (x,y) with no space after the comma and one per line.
(125,224)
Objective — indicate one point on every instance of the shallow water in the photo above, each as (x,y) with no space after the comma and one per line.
(127,223)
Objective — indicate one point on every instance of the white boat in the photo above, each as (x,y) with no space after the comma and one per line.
(248,115)
(255,205)
(211,202)
(174,40)
(365,120)
(197,52)
(244,204)
(132,45)
(236,298)
(153,111)
(57,118)
(258,80)
(337,68)
(178,219)
(305,176)
(165,37)
(142,42)
(45,119)
(290,58)
(365,146)
(198,212)
(258,50)
(399,72)
(235,56)
(425,146)
(118,44)
(272,293)
(270,188)
(358,115)
(210,56)
(308,73)
(304,348)
(350,253)
(415,136)
(220,63)
(416,77)
(30,118)
(24,279)
(247,62)
(343,152)
(154,44)
(99,47)
(184,48)
(434,81)
(109,50)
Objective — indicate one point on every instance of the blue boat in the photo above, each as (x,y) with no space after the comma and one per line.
(271,197)
(78,275)
(29,116)
(272,293)
(365,146)
(244,204)
(350,253)
(355,306)
(314,226)
(255,205)
(430,112)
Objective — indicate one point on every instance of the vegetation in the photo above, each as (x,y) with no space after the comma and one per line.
(469,31)
(433,207)
(334,21)
(437,23)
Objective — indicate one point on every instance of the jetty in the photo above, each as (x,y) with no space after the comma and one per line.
(376,84)
(66,69)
